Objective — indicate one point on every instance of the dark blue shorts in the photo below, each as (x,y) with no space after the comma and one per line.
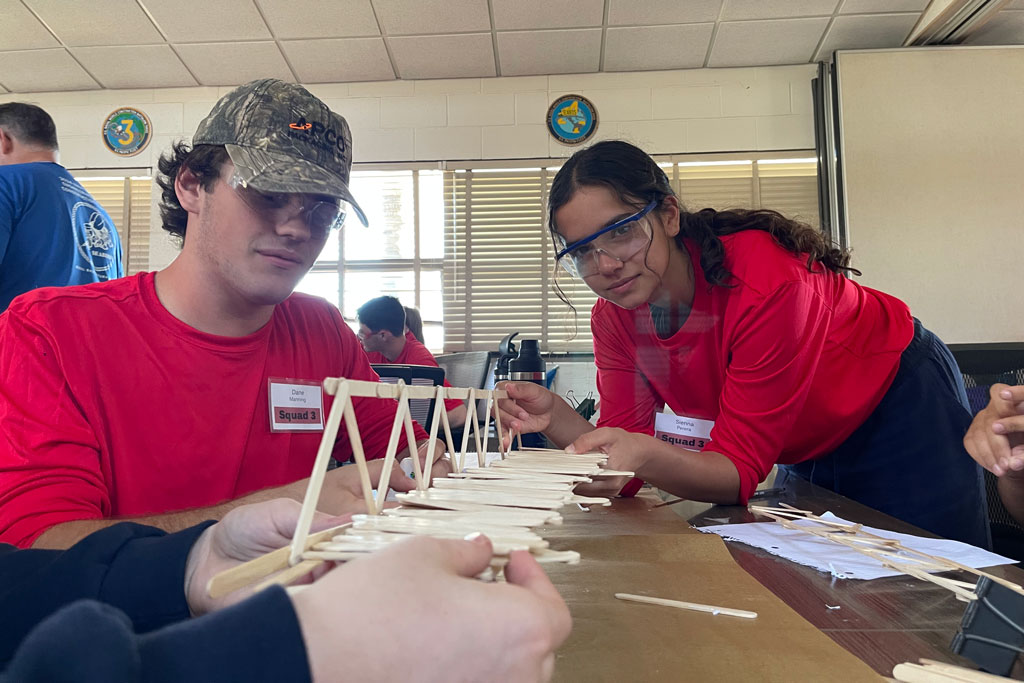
(908,458)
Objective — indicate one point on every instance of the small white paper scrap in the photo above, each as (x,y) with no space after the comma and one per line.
(826,556)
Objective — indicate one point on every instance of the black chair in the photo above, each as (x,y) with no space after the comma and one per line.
(421,409)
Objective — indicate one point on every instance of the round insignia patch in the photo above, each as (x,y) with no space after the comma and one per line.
(572,119)
(126,131)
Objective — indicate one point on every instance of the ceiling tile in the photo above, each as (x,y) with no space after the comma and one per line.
(20,30)
(404,17)
(658,12)
(866,31)
(234,63)
(869,6)
(649,48)
(756,43)
(135,66)
(91,22)
(521,14)
(43,70)
(221,20)
(317,19)
(340,60)
(1005,28)
(532,52)
(776,9)
(461,56)
(526,53)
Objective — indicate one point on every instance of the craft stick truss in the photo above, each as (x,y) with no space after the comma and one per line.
(889,552)
(504,500)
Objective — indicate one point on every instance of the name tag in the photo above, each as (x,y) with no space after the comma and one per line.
(691,433)
(296,405)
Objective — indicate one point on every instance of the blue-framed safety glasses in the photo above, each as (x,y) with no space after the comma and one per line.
(621,241)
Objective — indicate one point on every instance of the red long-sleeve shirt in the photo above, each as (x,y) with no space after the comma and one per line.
(414,353)
(788,363)
(110,406)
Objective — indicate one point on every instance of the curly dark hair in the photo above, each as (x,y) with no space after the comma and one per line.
(636,179)
(205,161)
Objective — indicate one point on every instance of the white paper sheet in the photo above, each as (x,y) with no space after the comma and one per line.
(840,561)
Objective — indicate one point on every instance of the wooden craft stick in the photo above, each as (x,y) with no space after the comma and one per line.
(695,606)
(316,480)
(487,427)
(971,674)
(519,439)
(245,574)
(434,422)
(289,575)
(359,455)
(481,460)
(389,454)
(410,440)
(917,673)
(470,415)
(497,428)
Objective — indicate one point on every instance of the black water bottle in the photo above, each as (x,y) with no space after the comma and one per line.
(528,366)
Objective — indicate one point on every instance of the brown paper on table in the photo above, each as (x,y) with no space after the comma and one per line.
(613,640)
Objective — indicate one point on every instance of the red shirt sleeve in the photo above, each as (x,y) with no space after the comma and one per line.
(774,350)
(375,416)
(50,468)
(628,400)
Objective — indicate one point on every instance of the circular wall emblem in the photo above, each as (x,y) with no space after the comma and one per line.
(126,131)
(572,119)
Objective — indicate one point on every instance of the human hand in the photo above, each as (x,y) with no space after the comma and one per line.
(528,408)
(995,438)
(342,492)
(626,451)
(245,533)
(421,593)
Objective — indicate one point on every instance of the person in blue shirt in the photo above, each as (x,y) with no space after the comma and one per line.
(53,233)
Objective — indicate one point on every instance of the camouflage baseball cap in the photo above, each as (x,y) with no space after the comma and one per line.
(281,138)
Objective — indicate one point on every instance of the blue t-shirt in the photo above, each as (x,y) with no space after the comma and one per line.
(52,232)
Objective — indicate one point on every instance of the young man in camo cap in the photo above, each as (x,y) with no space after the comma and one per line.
(171,397)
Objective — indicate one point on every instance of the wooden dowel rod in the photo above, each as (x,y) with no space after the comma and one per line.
(695,606)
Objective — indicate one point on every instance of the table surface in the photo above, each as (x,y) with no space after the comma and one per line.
(883,622)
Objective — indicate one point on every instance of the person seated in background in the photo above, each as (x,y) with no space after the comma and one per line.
(53,233)
(116,607)
(995,440)
(385,339)
(414,324)
(171,397)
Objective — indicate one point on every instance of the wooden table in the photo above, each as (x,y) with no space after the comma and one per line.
(883,622)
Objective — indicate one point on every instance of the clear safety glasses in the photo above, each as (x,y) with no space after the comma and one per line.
(621,241)
(280,207)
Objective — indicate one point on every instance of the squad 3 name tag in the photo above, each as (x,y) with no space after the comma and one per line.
(691,433)
(296,405)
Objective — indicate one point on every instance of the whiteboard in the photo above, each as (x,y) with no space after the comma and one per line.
(932,163)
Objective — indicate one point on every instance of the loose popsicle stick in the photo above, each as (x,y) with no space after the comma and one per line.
(293,573)
(971,674)
(695,606)
(316,479)
(245,574)
(389,454)
(918,673)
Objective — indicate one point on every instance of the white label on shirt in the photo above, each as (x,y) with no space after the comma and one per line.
(691,433)
(296,405)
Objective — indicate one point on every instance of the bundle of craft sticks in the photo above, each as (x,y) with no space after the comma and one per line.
(504,499)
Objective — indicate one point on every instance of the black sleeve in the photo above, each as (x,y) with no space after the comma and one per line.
(137,569)
(256,640)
